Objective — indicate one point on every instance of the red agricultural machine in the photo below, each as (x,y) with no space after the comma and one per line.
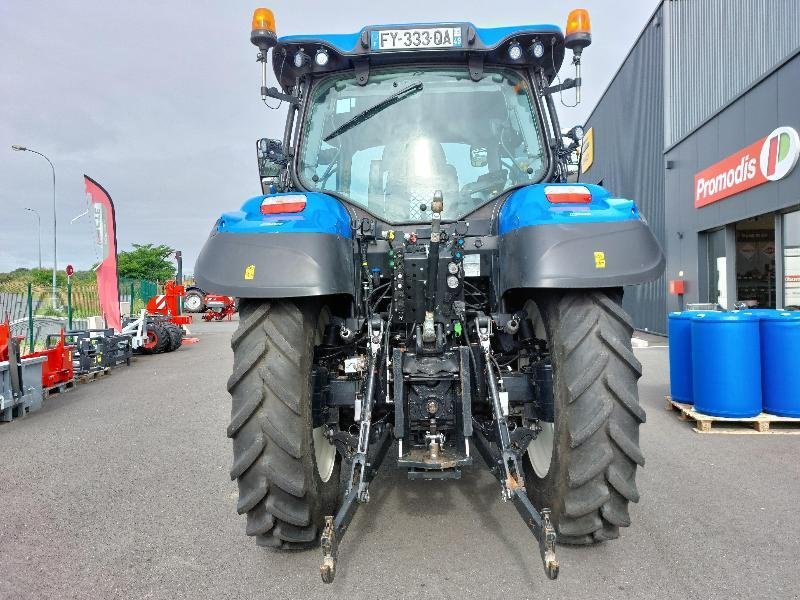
(160,327)
(57,367)
(215,307)
(168,304)
(218,307)
(5,339)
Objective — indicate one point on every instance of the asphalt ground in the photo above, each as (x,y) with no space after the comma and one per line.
(120,489)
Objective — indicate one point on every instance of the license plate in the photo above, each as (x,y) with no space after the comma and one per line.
(412,39)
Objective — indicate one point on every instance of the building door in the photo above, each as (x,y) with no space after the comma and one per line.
(713,280)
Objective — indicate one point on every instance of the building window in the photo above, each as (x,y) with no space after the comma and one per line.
(791,259)
(755,261)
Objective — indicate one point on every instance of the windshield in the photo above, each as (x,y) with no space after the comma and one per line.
(409,132)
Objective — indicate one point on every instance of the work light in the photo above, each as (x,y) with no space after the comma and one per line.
(321,57)
(300,59)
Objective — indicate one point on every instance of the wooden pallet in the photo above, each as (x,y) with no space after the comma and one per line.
(61,388)
(762,423)
(93,375)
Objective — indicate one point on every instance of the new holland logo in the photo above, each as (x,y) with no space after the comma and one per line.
(769,159)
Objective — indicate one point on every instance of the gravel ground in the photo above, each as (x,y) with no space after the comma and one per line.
(120,489)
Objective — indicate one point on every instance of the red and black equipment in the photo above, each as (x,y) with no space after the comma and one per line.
(5,339)
(168,304)
(219,307)
(56,369)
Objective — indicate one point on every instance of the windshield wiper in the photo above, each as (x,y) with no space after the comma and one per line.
(374,110)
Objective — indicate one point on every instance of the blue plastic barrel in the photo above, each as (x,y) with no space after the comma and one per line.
(780,363)
(680,356)
(761,312)
(726,367)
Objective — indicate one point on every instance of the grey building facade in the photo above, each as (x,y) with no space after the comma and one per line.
(700,127)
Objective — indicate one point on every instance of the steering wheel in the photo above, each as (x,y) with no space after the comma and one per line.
(485,184)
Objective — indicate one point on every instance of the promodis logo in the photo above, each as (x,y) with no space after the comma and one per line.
(769,159)
(779,153)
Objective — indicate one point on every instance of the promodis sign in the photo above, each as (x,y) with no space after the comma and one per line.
(769,159)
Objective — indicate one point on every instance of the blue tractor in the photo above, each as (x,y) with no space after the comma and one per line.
(420,270)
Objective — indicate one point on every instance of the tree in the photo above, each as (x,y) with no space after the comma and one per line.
(146,261)
(44,277)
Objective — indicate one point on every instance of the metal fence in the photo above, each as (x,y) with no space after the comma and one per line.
(34,312)
(138,292)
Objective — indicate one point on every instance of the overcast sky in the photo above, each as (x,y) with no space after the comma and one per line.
(158,101)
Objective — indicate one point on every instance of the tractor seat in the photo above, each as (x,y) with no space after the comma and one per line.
(411,172)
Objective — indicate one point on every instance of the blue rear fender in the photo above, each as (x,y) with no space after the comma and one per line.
(322,214)
(282,255)
(605,242)
(529,206)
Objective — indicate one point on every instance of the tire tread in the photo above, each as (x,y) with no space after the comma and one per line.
(599,370)
(267,424)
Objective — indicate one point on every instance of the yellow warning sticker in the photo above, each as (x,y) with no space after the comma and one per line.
(599,260)
(587,150)
(250,272)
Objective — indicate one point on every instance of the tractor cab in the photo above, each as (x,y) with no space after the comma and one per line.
(383,118)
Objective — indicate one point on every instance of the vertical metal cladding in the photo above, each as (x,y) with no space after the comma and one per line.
(628,132)
(717,49)
(700,83)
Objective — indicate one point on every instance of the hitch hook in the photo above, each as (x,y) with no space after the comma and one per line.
(548,546)
(330,551)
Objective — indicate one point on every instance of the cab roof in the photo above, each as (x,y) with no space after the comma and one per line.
(490,44)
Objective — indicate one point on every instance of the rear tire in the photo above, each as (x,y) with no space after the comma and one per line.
(175,336)
(274,457)
(164,337)
(595,451)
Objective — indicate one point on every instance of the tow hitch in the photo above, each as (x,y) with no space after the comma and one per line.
(362,466)
(505,464)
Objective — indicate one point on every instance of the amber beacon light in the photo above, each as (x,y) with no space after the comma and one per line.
(579,30)
(262,33)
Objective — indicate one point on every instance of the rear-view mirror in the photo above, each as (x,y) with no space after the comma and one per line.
(478,156)
(271,161)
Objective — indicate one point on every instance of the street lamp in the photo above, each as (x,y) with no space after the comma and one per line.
(39,224)
(55,246)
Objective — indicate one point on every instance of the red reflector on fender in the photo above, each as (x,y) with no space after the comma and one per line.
(274,205)
(568,194)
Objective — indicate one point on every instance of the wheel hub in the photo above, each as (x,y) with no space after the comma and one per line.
(192,303)
(540,450)
(151,341)
(324,453)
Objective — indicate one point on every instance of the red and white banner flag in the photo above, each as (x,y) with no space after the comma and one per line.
(102,209)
